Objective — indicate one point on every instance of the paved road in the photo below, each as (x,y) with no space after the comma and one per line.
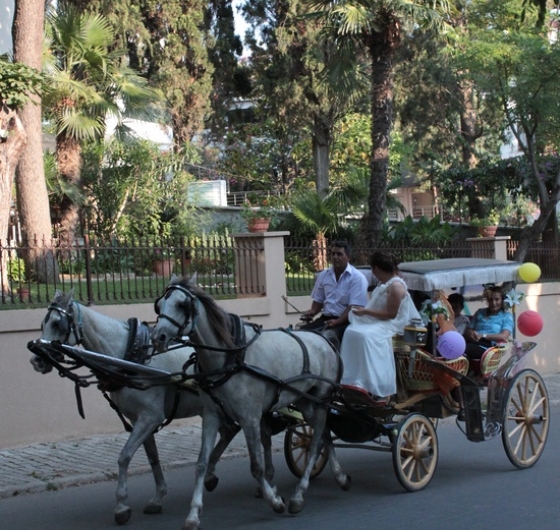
(475,487)
(52,466)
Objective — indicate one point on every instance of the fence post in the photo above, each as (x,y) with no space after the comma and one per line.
(87,260)
(259,269)
(489,247)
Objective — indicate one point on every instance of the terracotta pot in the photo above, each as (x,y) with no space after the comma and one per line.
(24,294)
(487,231)
(259,224)
(164,267)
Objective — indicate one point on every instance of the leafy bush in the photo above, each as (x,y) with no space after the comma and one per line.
(16,270)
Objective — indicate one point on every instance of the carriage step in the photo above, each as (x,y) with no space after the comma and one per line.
(358,396)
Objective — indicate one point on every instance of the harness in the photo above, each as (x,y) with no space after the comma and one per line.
(137,350)
(234,361)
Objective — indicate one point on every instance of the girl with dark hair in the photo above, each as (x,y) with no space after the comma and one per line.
(367,349)
(490,325)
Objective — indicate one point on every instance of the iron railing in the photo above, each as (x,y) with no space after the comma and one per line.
(114,272)
(130,271)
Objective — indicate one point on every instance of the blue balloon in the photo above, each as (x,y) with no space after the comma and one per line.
(451,345)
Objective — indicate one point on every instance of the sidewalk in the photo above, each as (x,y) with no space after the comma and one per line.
(43,467)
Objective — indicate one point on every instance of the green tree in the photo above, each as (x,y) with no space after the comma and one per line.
(288,58)
(87,85)
(376,27)
(517,69)
(17,83)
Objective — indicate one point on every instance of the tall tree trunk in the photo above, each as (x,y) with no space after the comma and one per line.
(381,50)
(69,165)
(321,142)
(32,195)
(469,135)
(12,144)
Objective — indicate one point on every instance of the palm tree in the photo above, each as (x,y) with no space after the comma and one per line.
(87,85)
(320,213)
(376,26)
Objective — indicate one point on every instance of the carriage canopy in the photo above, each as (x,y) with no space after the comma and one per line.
(457,272)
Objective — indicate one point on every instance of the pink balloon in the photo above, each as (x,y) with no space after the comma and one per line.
(530,323)
(451,345)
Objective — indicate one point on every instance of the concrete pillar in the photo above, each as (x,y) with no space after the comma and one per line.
(489,247)
(259,267)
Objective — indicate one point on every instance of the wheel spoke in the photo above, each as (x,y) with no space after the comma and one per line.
(526,419)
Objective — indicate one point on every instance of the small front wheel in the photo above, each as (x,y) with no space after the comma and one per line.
(415,452)
(526,419)
(297,442)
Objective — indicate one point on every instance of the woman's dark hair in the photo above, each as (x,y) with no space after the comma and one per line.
(386,261)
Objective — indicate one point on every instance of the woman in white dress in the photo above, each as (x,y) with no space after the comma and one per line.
(367,349)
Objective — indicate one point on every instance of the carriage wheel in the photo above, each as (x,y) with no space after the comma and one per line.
(526,419)
(415,452)
(297,441)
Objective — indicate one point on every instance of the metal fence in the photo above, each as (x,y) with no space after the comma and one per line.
(545,254)
(128,271)
(138,271)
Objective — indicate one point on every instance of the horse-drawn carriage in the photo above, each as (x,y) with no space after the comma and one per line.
(516,407)
(291,377)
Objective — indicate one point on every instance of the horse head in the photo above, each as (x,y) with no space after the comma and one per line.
(177,310)
(58,325)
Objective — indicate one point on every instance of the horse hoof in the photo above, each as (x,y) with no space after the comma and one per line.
(152,509)
(190,525)
(259,493)
(295,506)
(345,486)
(279,507)
(211,483)
(123,515)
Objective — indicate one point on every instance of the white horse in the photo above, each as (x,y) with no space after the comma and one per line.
(272,369)
(72,323)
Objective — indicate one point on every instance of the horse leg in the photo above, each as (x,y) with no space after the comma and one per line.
(253,439)
(210,425)
(342,478)
(266,440)
(140,432)
(227,434)
(155,504)
(318,422)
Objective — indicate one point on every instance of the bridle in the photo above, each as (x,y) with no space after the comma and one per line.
(190,312)
(67,323)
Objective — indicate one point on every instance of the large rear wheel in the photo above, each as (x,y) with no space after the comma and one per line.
(415,452)
(297,442)
(526,419)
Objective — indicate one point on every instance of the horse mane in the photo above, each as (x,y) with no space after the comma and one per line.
(218,318)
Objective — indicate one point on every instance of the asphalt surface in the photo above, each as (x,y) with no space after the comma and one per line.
(51,466)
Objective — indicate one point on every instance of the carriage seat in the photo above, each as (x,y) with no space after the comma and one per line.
(489,361)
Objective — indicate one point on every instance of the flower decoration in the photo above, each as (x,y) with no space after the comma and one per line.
(430,310)
(513,297)
(257,207)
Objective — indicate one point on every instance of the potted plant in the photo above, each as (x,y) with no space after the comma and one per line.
(163,261)
(257,212)
(488,225)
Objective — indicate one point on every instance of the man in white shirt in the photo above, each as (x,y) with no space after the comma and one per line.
(337,289)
